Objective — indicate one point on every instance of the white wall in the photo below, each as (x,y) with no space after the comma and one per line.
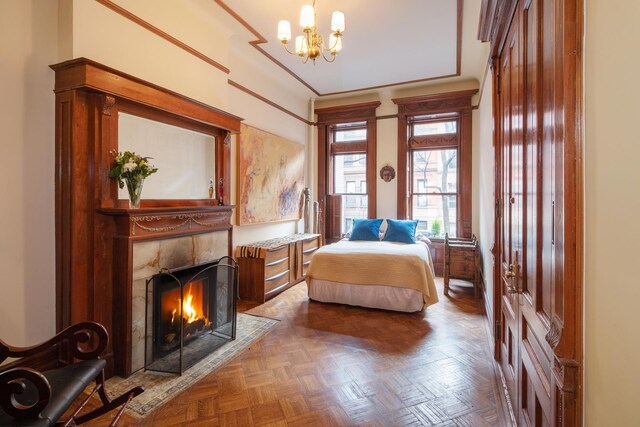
(28,44)
(612,196)
(484,170)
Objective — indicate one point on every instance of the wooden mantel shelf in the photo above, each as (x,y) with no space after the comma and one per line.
(171,221)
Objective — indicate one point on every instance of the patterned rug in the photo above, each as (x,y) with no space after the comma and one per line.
(160,387)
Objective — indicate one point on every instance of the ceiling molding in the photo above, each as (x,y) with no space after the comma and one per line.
(260,39)
(268,101)
(157,31)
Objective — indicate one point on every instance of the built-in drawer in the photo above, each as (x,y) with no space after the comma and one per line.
(310,244)
(275,282)
(307,254)
(274,268)
(277,254)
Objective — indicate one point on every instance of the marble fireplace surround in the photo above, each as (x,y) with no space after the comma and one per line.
(145,241)
(151,256)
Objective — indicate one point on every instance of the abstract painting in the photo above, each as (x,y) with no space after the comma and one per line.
(270,177)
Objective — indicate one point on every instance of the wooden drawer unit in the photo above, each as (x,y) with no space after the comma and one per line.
(269,267)
(462,261)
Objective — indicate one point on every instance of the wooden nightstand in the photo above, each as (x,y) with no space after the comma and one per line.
(461,261)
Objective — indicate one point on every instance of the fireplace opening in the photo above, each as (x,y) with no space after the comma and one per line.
(190,313)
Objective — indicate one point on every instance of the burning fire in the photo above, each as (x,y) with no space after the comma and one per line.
(193,319)
(189,313)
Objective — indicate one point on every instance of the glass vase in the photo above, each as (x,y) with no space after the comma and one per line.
(134,187)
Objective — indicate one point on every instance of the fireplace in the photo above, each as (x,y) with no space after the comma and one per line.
(190,312)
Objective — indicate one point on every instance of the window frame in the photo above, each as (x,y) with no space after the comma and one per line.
(329,120)
(436,108)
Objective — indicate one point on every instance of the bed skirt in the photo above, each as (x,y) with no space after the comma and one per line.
(372,296)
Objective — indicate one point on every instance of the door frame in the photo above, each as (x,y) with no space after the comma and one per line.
(566,333)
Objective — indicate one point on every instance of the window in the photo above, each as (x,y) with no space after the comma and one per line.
(434,191)
(346,165)
(436,152)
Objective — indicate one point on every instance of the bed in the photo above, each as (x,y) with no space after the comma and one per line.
(375,274)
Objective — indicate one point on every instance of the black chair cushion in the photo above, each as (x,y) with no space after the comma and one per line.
(67,383)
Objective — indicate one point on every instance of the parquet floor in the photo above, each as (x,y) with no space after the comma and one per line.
(334,365)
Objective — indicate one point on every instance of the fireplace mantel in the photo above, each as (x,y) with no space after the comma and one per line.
(95,233)
(165,222)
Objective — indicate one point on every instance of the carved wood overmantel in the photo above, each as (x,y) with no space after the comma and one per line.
(95,231)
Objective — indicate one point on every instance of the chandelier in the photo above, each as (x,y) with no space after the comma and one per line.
(311,45)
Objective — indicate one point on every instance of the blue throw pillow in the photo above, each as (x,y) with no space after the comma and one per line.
(403,231)
(365,229)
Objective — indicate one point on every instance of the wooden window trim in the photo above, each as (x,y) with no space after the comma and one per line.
(451,102)
(328,118)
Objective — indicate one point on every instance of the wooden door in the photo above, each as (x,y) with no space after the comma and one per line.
(536,48)
(511,200)
(533,280)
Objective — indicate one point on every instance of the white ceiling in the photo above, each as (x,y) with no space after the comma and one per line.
(385,42)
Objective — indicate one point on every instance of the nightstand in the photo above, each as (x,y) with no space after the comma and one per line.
(461,261)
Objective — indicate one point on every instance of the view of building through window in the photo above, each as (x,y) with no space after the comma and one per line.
(350,180)
(434,191)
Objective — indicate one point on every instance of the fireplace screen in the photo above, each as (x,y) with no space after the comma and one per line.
(190,313)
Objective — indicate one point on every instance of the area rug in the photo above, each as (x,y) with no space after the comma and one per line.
(160,387)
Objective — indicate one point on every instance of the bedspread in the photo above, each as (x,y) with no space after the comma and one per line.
(376,263)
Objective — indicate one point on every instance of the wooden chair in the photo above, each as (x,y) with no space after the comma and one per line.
(32,398)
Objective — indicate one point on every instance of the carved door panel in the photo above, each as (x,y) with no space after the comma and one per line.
(538,197)
(526,251)
(536,355)
(511,148)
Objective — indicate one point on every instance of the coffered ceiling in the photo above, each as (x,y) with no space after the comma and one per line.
(385,42)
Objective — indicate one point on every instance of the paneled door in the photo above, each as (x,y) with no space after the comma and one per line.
(536,51)
(510,65)
(528,145)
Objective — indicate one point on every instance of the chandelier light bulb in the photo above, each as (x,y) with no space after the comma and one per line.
(337,22)
(311,45)
(299,44)
(307,16)
(284,31)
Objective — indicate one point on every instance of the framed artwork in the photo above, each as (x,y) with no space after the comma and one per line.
(270,177)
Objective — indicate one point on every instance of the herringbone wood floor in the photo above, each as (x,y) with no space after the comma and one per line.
(335,365)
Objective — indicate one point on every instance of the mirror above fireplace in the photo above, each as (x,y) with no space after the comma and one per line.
(185,158)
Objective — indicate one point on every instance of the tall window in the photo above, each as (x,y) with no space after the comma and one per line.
(346,166)
(435,149)
(350,170)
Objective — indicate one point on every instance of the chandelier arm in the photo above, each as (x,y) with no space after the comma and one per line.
(287,49)
(333,57)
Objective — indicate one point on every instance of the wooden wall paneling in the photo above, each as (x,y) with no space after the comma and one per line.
(372,166)
(64,128)
(498,211)
(322,177)
(465,210)
(549,368)
(403,169)
(82,72)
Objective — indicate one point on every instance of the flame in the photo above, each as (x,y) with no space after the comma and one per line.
(188,312)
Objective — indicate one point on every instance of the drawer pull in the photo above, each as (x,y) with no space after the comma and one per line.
(277,276)
(276,262)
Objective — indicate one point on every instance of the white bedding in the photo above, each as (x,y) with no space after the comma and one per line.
(343,273)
